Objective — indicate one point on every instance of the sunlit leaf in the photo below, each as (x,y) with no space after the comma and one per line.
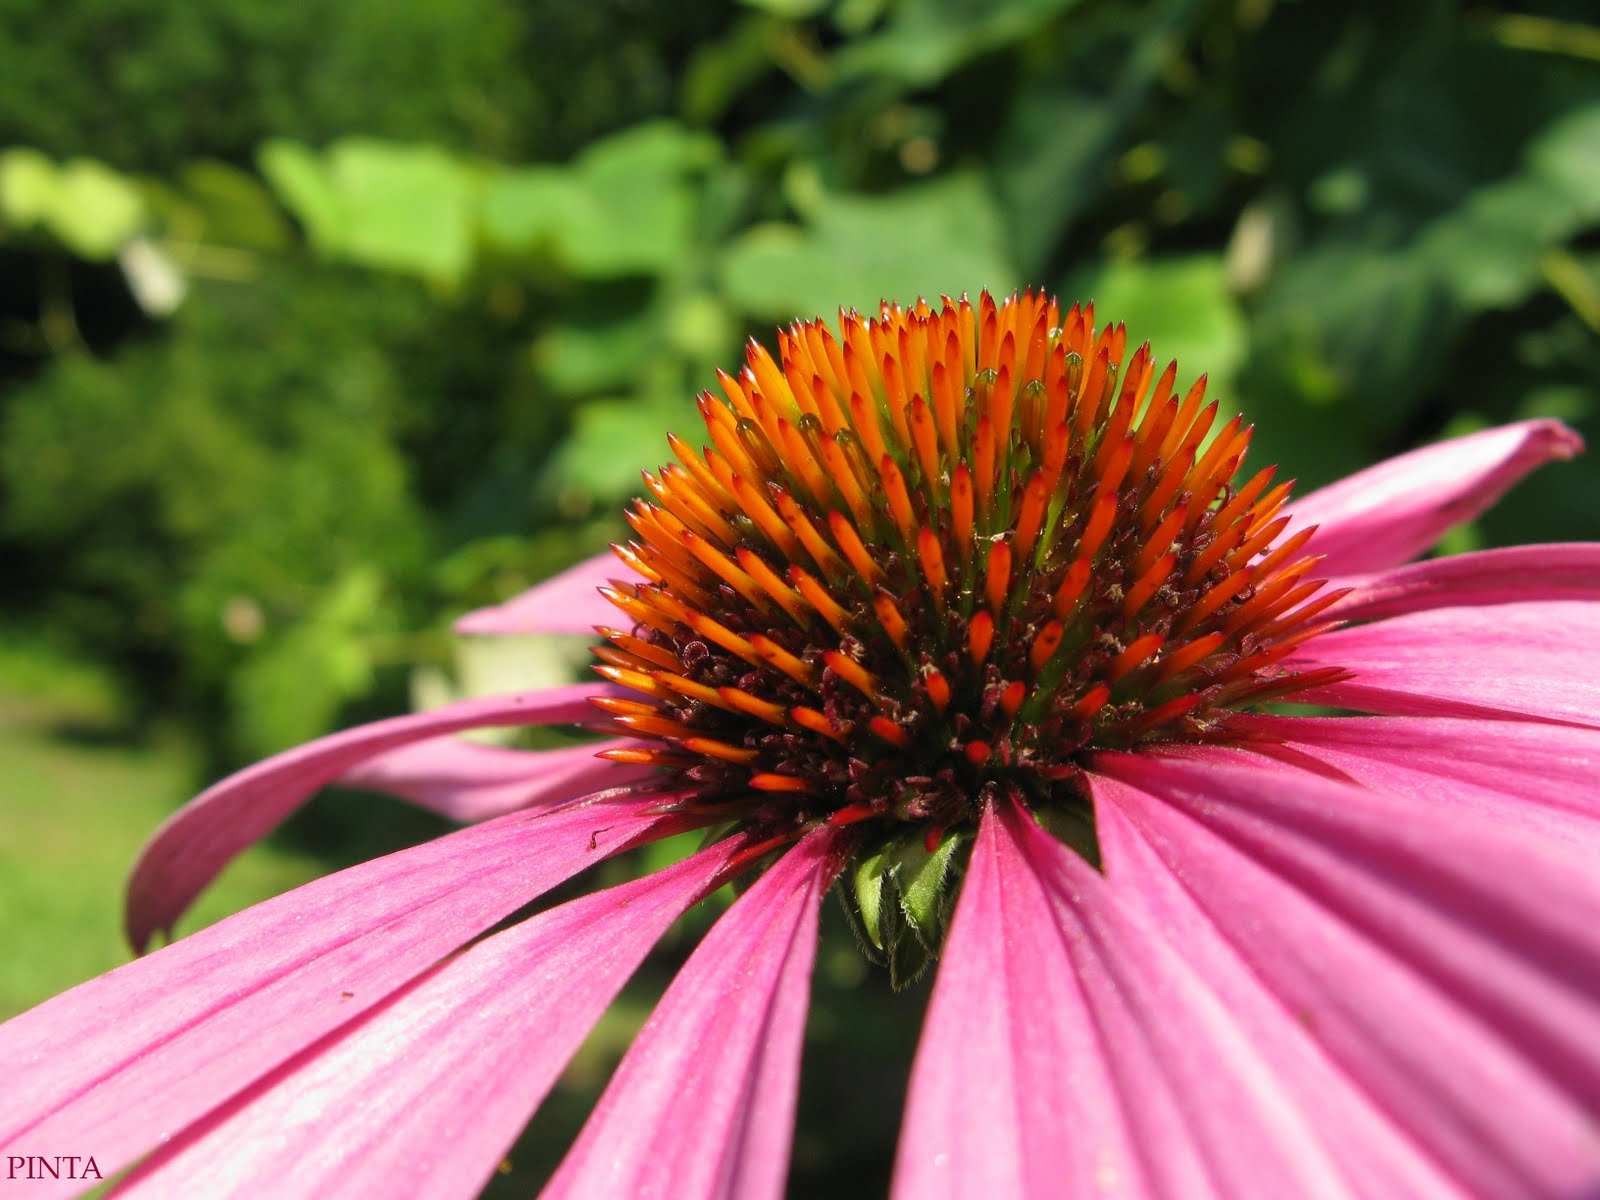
(27,186)
(524,208)
(942,236)
(389,205)
(406,207)
(92,209)
(297,174)
(636,213)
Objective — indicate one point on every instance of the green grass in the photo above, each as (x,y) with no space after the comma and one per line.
(76,803)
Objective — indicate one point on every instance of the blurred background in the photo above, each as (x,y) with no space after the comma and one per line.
(321,324)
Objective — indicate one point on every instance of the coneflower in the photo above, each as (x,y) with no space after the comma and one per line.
(979,617)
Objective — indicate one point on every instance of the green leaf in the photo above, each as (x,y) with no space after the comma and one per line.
(898,900)
(867,886)
(1342,326)
(926,40)
(579,357)
(399,207)
(939,237)
(526,208)
(636,214)
(91,209)
(612,441)
(1180,305)
(625,206)
(793,10)
(1053,150)
(407,208)
(1564,155)
(920,878)
(1488,248)
(28,187)
(95,211)
(237,209)
(1438,182)
(297,174)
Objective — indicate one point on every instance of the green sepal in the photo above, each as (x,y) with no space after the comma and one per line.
(920,880)
(866,882)
(898,901)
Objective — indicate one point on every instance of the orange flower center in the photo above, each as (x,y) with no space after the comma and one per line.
(947,552)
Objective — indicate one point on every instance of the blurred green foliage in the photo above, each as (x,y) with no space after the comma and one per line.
(147,86)
(319,324)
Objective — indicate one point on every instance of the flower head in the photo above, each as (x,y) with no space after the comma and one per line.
(884,604)
(938,560)
(969,608)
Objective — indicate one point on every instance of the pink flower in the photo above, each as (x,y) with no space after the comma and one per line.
(952,616)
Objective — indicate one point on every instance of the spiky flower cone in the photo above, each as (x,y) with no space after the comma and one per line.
(946,554)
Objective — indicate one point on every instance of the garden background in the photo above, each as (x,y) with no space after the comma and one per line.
(322,324)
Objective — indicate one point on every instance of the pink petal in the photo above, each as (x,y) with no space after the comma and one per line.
(203,836)
(564,603)
(1390,513)
(1373,1155)
(1507,660)
(466,781)
(1011,1093)
(1529,772)
(702,1104)
(1568,571)
(127,1060)
(1519,573)
(434,1085)
(1210,1110)
(1448,965)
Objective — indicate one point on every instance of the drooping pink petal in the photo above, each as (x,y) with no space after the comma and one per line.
(703,1103)
(1011,1093)
(1390,513)
(1506,660)
(564,603)
(130,1058)
(1446,964)
(202,837)
(434,1085)
(466,781)
(1568,571)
